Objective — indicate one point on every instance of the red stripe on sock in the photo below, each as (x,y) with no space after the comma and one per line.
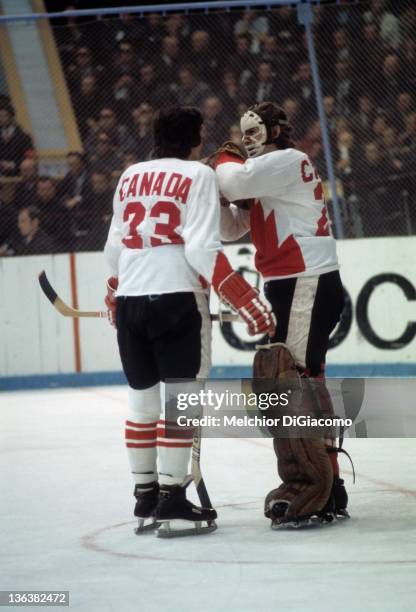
(141,425)
(139,435)
(143,445)
(174,444)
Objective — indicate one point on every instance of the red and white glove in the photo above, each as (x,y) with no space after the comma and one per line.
(110,299)
(241,296)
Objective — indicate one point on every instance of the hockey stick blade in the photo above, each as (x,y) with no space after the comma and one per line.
(61,307)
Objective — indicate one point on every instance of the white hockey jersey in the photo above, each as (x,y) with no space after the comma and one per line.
(289,220)
(164,235)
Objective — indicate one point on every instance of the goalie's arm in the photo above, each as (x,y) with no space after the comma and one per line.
(235,222)
(255,178)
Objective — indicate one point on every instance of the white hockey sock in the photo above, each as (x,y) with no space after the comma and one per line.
(140,433)
(174,448)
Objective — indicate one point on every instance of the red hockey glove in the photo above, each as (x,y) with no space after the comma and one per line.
(241,296)
(110,299)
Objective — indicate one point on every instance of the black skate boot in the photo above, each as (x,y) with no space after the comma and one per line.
(340,498)
(147,496)
(173,507)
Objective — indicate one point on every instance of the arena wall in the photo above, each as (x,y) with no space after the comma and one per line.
(40,347)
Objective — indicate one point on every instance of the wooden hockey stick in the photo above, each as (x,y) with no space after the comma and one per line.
(68,311)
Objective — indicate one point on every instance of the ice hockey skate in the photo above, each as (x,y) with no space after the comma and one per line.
(177,516)
(147,496)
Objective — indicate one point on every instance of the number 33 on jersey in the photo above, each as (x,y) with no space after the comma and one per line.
(164,235)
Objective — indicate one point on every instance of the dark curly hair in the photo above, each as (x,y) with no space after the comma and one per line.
(176,131)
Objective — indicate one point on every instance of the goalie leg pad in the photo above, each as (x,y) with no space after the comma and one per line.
(303,464)
(306,473)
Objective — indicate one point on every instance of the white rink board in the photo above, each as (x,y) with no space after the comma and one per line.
(35,339)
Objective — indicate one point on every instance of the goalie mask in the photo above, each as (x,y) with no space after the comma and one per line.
(257,126)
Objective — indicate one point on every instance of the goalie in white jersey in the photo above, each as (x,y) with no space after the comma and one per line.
(296,256)
(164,250)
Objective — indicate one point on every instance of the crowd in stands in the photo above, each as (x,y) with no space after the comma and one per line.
(119,71)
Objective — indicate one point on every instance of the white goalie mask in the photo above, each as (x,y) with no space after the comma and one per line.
(254,133)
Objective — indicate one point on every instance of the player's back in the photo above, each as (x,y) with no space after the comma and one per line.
(151,208)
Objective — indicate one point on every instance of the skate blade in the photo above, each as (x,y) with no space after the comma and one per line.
(307,523)
(143,528)
(171,528)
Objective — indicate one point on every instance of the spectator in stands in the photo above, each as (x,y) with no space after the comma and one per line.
(100,208)
(241,61)
(7,228)
(408,137)
(404,104)
(391,80)
(266,85)
(408,62)
(73,189)
(302,86)
(117,132)
(345,152)
(126,62)
(125,95)
(15,144)
(177,24)
(299,118)
(25,190)
(342,48)
(106,154)
(204,59)
(141,131)
(32,239)
(372,52)
(69,38)
(87,100)
(170,59)
(126,29)
(55,219)
(191,91)
(154,33)
(379,126)
(272,54)
(391,147)
(284,22)
(152,90)
(230,96)
(387,23)
(215,126)
(255,24)
(344,91)
(331,114)
(374,190)
(362,120)
(83,65)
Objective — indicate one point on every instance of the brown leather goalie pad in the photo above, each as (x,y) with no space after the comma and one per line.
(302,462)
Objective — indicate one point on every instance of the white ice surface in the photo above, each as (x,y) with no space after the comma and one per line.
(66,521)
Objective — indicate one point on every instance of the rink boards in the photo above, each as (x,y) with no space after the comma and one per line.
(39,347)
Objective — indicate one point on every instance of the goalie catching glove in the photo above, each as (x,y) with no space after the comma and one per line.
(229,151)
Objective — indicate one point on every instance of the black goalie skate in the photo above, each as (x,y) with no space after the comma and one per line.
(340,498)
(147,496)
(173,509)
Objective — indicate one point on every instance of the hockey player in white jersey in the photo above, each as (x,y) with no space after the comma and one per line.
(164,250)
(296,256)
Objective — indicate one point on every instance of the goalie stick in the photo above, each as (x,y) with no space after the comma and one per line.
(68,311)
